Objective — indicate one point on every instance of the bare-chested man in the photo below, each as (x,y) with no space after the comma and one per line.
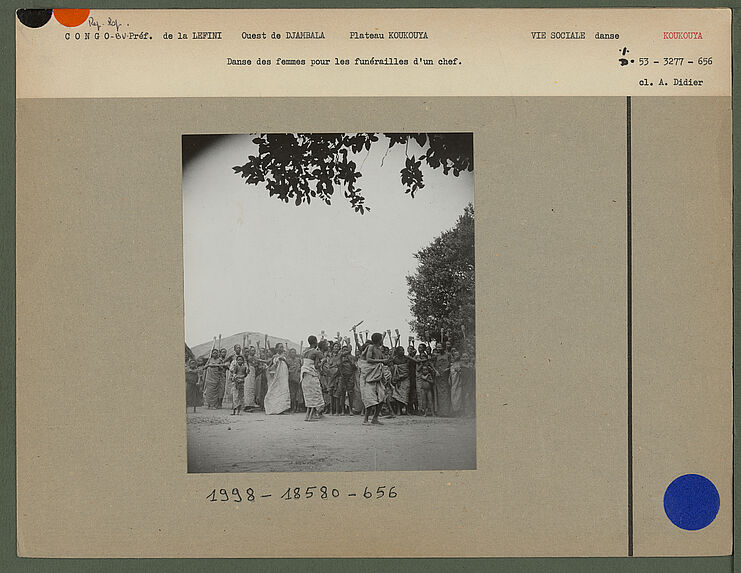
(371,382)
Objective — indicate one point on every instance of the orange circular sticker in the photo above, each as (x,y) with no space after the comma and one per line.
(71,17)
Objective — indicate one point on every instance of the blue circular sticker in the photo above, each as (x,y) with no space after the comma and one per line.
(691,502)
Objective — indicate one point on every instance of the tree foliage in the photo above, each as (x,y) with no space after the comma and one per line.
(442,291)
(299,167)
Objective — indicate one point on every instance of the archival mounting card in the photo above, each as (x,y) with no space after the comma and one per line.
(447,283)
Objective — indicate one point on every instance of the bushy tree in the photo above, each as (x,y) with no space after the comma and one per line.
(442,291)
(299,167)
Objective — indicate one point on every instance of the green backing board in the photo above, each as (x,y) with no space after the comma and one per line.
(8,559)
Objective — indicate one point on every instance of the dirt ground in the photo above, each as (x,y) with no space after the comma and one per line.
(255,442)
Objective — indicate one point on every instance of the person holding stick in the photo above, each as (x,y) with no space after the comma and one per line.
(222,376)
(358,341)
(202,362)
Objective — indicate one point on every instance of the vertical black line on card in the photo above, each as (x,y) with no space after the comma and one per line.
(629,237)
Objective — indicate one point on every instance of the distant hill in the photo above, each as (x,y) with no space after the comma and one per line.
(253,338)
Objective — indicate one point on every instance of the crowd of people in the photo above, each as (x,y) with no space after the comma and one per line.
(330,379)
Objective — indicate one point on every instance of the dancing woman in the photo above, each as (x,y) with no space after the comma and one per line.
(278,396)
(214,380)
(310,385)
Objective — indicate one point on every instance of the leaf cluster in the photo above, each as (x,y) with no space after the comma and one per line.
(299,167)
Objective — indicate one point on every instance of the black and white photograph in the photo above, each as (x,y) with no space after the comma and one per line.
(329,301)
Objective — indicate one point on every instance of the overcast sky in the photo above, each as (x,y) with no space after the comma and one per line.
(255,263)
